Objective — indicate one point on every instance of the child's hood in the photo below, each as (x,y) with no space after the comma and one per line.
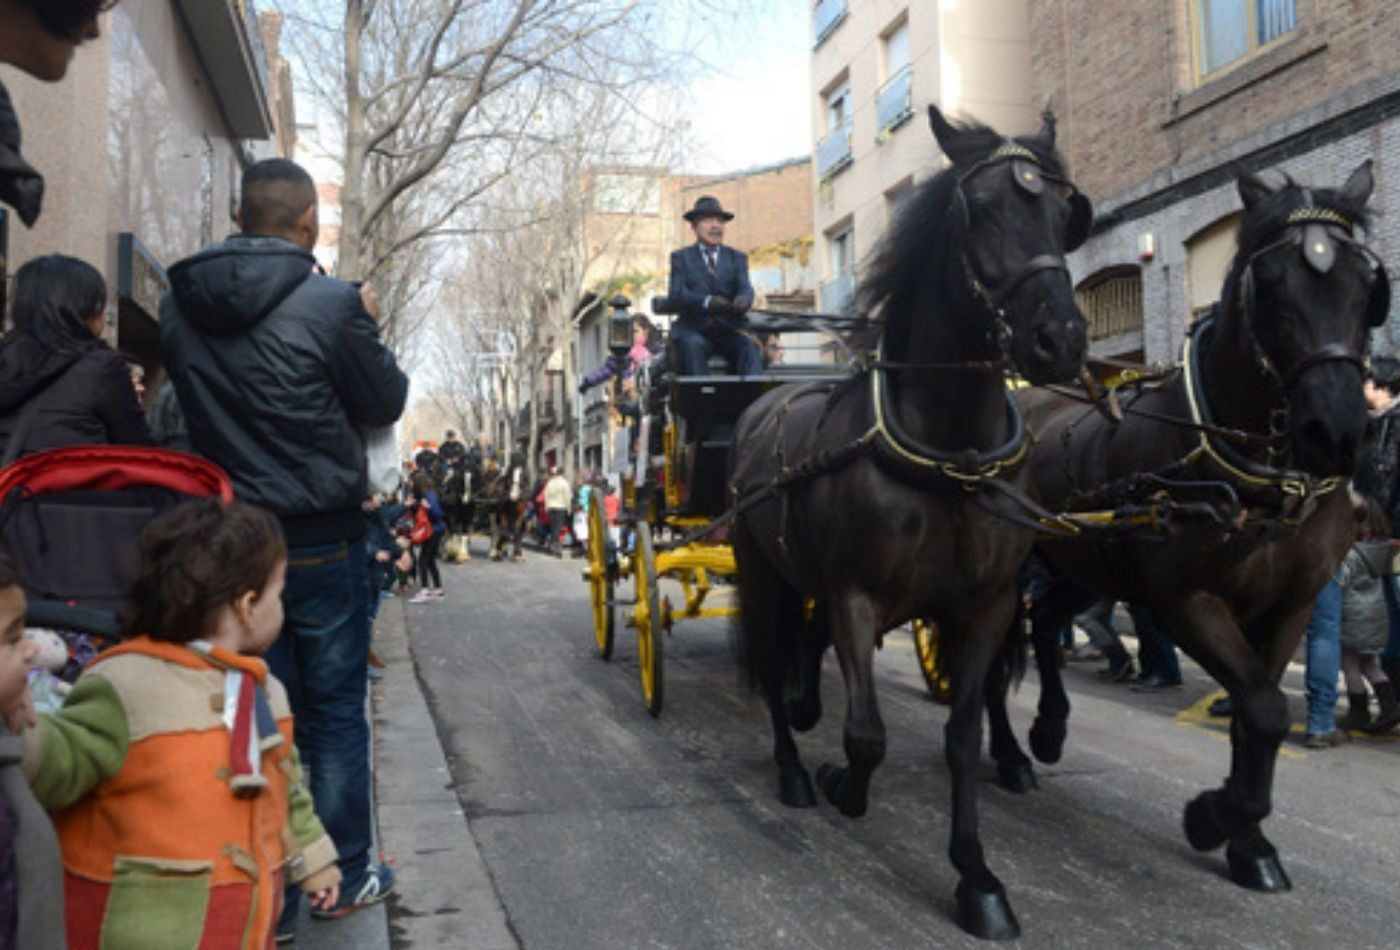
(1374,556)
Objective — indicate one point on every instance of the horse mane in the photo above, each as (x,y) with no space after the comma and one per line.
(1261,225)
(919,241)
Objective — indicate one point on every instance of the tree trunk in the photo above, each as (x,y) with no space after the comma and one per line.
(352,194)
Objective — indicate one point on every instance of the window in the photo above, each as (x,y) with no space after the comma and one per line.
(827,15)
(1112,302)
(1229,30)
(837,295)
(834,151)
(1208,256)
(894,103)
(838,106)
(843,251)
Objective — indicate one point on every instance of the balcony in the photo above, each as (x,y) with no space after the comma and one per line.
(826,17)
(894,103)
(834,151)
(229,42)
(838,295)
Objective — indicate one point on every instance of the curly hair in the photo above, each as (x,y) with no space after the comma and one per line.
(196,558)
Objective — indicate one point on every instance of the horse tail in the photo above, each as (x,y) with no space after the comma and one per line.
(1015,647)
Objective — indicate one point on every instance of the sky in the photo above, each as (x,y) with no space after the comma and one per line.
(754,106)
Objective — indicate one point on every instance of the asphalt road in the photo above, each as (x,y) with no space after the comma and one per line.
(603,828)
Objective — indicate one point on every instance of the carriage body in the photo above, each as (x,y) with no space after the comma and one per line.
(676,504)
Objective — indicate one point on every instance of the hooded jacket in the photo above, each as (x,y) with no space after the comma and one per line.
(277,369)
(81,396)
(1364,573)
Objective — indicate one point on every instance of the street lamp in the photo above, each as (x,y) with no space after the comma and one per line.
(619,326)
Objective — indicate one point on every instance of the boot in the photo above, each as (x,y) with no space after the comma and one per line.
(1388,716)
(1358,711)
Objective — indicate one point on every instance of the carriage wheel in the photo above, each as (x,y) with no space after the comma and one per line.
(600,581)
(647,619)
(926,646)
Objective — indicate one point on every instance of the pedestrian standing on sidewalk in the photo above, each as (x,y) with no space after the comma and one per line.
(1378,476)
(179,822)
(429,576)
(38,37)
(1364,572)
(278,370)
(557,496)
(1324,648)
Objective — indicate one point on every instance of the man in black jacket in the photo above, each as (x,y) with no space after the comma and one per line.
(278,369)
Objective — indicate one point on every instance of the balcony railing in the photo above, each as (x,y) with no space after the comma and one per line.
(894,103)
(1113,306)
(838,295)
(834,151)
(826,17)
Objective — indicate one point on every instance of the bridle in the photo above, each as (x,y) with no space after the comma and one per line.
(1030,175)
(1317,233)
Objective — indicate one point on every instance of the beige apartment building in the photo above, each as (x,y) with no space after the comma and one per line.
(143,146)
(1162,104)
(876,66)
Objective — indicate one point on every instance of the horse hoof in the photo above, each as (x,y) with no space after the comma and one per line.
(986,914)
(1047,740)
(831,779)
(802,717)
(1018,777)
(1257,872)
(795,789)
(1202,830)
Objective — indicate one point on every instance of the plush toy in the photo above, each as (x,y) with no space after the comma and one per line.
(45,688)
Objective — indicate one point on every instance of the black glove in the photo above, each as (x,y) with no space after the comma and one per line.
(741,306)
(582,387)
(721,306)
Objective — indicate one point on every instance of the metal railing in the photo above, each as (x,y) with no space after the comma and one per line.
(894,103)
(826,17)
(834,151)
(838,295)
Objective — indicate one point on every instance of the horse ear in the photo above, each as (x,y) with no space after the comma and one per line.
(944,131)
(1357,190)
(1252,190)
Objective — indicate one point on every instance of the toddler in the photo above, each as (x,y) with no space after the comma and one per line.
(1365,624)
(170,770)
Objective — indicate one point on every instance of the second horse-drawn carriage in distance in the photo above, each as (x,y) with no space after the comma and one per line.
(675,504)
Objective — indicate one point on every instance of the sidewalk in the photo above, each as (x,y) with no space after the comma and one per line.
(444,897)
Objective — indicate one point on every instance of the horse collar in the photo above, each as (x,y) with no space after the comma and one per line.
(1296,489)
(969,468)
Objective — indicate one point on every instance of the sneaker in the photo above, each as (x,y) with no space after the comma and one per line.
(436,594)
(1326,740)
(1118,669)
(422,597)
(379,882)
(1154,684)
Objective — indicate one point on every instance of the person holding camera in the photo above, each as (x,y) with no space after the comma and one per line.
(710,290)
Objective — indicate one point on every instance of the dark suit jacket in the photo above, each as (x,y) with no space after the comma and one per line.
(691,282)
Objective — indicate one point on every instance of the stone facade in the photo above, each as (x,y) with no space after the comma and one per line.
(1157,145)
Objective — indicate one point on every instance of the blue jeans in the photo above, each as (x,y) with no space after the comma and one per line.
(1156,652)
(321,657)
(1324,638)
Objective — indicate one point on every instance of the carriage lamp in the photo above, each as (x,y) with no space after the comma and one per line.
(620,325)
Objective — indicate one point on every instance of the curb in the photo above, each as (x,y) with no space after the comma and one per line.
(444,896)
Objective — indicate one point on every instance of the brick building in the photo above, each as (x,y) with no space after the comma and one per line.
(1160,104)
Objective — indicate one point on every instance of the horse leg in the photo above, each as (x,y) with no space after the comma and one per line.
(1231,815)
(853,631)
(1014,770)
(974,641)
(761,594)
(1055,607)
(805,709)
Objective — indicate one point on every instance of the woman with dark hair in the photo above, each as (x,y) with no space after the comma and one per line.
(425,497)
(57,375)
(38,37)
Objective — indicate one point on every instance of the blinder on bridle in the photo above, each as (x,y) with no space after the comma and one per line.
(1317,233)
(1030,176)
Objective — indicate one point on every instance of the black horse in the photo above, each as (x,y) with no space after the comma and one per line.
(1259,430)
(887,498)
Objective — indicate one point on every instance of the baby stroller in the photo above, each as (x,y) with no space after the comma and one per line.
(69,518)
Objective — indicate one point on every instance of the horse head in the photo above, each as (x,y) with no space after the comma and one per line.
(1013,214)
(1304,294)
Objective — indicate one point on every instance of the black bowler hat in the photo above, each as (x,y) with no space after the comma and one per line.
(707,206)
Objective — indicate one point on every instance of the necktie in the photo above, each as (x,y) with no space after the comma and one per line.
(710,260)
